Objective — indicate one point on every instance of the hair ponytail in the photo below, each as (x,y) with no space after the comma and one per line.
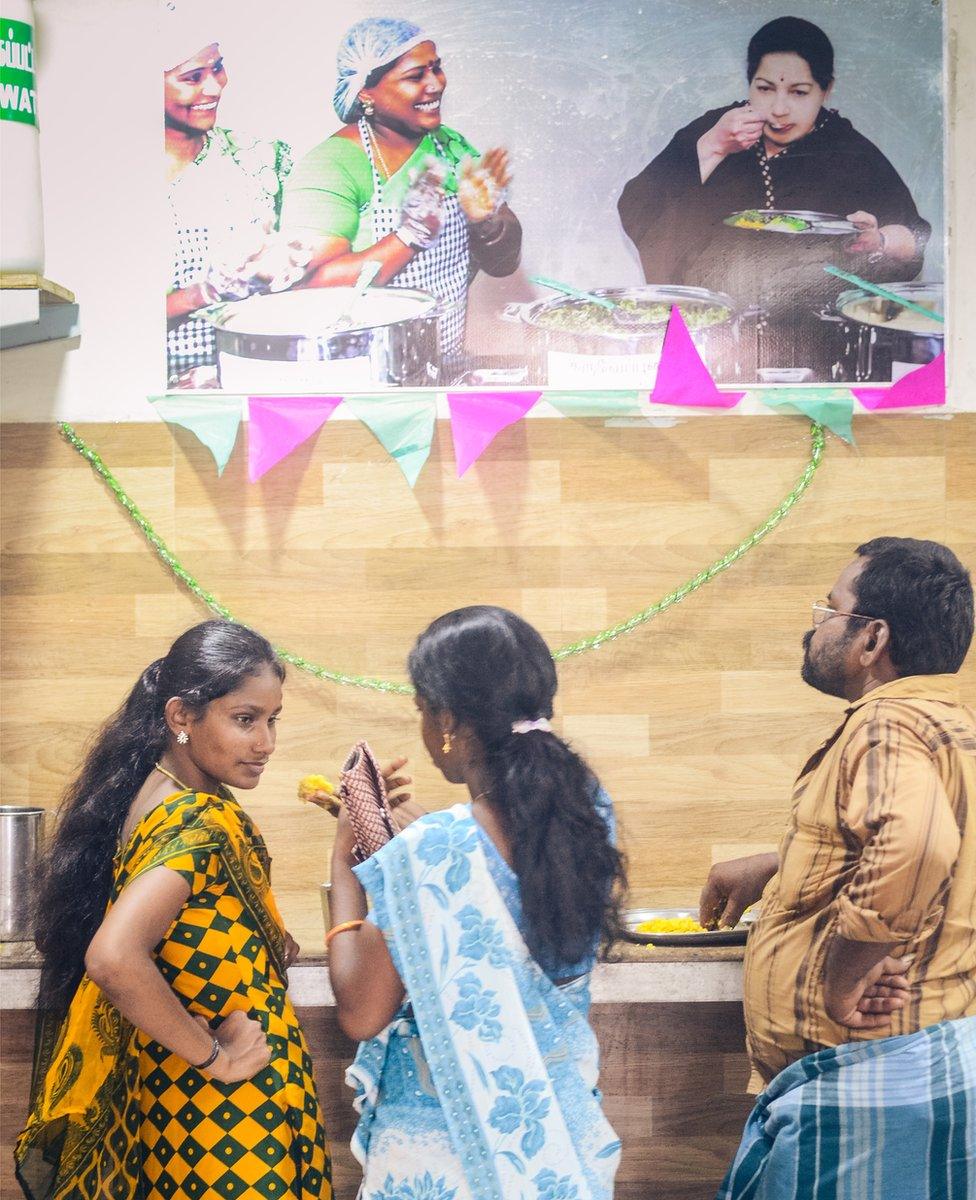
(563,855)
(207,661)
(489,669)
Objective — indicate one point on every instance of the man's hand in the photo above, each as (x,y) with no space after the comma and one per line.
(732,886)
(863,984)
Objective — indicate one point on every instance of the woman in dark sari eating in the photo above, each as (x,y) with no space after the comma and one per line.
(782,149)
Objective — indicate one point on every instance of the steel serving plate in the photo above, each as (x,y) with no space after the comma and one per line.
(818,224)
(711,937)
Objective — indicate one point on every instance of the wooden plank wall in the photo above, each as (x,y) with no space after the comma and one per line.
(696,723)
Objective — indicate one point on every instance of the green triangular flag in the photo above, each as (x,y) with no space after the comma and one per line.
(608,403)
(213,419)
(833,407)
(403,423)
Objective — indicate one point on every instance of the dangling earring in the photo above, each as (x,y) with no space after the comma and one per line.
(368,107)
(446,748)
(182,738)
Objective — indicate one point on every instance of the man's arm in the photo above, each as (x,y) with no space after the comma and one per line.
(863,984)
(897,809)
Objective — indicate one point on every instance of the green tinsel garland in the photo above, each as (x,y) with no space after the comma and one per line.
(778,514)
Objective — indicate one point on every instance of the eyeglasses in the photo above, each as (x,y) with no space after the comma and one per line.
(823,612)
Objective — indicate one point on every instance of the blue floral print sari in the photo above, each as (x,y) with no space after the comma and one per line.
(483,1087)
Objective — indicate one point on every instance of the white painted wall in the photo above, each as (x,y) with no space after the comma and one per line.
(104,198)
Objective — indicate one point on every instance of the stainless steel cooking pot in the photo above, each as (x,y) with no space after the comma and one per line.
(877,341)
(619,354)
(317,339)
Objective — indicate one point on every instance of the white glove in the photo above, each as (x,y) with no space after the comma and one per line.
(422,212)
(255,260)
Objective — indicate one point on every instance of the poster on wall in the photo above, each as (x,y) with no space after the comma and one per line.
(448,193)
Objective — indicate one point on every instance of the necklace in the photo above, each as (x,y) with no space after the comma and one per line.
(375,143)
(169,775)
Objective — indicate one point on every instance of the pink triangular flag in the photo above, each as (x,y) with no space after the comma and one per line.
(278,424)
(478,417)
(925,385)
(682,377)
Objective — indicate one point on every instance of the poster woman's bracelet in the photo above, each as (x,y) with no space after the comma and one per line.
(779,513)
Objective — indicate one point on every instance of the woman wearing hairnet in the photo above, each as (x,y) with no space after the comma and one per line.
(224,191)
(397,187)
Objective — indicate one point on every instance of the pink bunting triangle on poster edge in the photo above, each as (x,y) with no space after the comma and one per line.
(682,377)
(923,386)
(277,425)
(478,417)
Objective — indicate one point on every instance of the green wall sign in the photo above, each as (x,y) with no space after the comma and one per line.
(18,99)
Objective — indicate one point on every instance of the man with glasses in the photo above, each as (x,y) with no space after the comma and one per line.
(860,972)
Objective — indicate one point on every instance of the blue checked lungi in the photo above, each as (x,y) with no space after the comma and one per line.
(892,1119)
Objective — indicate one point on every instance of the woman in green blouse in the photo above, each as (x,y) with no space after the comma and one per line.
(397,187)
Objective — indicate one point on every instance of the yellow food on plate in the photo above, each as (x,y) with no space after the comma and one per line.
(316,789)
(670,925)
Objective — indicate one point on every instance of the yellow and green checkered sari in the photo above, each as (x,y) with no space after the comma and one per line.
(114,1114)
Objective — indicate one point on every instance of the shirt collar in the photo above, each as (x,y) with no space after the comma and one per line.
(915,687)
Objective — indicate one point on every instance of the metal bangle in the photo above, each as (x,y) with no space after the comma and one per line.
(489,232)
(209,1062)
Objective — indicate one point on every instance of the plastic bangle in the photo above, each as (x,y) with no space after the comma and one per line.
(209,1062)
(343,928)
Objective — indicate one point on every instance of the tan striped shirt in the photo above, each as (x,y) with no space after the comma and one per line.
(881,847)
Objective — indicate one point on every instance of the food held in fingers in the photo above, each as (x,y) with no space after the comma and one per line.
(316,789)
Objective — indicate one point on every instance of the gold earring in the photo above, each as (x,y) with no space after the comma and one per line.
(368,107)
(446,748)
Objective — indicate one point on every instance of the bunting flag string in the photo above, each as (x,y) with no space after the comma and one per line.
(682,377)
(477,418)
(276,425)
(924,386)
(593,642)
(213,419)
(831,407)
(402,423)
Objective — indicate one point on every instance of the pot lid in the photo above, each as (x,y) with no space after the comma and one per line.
(315,312)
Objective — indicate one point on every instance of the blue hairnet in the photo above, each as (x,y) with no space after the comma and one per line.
(369,44)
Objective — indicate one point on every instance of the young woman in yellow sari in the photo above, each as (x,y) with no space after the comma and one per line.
(169,1061)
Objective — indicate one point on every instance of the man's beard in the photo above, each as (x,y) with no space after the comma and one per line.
(826,673)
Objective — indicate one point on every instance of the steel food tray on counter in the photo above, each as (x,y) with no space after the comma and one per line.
(709,937)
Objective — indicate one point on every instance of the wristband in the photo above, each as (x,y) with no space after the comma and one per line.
(209,1062)
(410,240)
(209,293)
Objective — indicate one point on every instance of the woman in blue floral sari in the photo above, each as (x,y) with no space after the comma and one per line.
(467,983)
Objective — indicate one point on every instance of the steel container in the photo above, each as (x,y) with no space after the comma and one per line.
(318,339)
(21,841)
(876,343)
(622,355)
